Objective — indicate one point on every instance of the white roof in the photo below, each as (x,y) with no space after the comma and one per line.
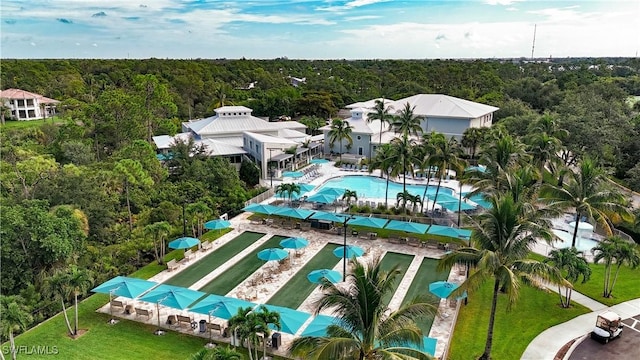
(359,125)
(369,104)
(292,134)
(438,105)
(237,124)
(166,141)
(270,139)
(233,109)
(220,148)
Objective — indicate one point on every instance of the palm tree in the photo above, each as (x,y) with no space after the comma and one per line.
(289,189)
(313,123)
(340,130)
(58,285)
(543,149)
(572,262)
(382,114)
(385,162)
(472,138)
(425,162)
(587,193)
(502,153)
(447,156)
(407,197)
(225,353)
(15,317)
(267,317)
(501,242)
(403,156)
(366,329)
(246,325)
(158,232)
(80,281)
(198,212)
(406,123)
(348,196)
(615,250)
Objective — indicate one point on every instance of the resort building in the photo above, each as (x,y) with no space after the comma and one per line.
(26,105)
(440,113)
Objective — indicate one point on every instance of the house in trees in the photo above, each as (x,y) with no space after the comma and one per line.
(440,113)
(233,132)
(25,105)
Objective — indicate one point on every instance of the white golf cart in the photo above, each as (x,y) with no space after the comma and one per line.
(608,327)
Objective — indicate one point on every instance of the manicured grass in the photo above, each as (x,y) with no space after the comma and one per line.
(207,264)
(386,233)
(426,274)
(15,124)
(627,286)
(227,281)
(298,288)
(535,311)
(391,259)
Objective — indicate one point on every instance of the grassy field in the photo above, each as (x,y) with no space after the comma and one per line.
(227,281)
(296,290)
(14,124)
(391,259)
(627,286)
(204,266)
(535,311)
(425,275)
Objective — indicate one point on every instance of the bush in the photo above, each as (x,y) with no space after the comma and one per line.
(249,173)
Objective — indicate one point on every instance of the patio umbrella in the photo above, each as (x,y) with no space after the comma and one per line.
(171,296)
(316,276)
(124,286)
(290,320)
(294,243)
(304,188)
(184,243)
(217,224)
(272,254)
(443,289)
(294,213)
(371,222)
(261,209)
(416,228)
(449,231)
(453,206)
(221,307)
(322,198)
(327,216)
(318,326)
(331,191)
(319,161)
(293,174)
(351,251)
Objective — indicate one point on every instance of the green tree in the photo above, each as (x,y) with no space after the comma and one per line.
(288,189)
(80,281)
(447,156)
(501,241)
(58,284)
(384,160)
(15,317)
(199,212)
(472,138)
(246,325)
(348,196)
(225,353)
(268,317)
(382,114)
(130,173)
(249,173)
(615,251)
(156,101)
(340,130)
(313,123)
(158,232)
(366,328)
(572,263)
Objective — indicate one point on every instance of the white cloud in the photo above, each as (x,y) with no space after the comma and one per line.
(501,2)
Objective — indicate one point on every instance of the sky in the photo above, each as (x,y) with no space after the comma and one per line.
(318,29)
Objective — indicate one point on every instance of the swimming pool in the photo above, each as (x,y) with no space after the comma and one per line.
(582,244)
(372,187)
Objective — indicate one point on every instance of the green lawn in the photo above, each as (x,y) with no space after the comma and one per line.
(535,311)
(298,288)
(425,275)
(207,264)
(391,259)
(627,286)
(227,281)
(14,124)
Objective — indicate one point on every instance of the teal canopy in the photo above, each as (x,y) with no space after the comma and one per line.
(294,213)
(125,286)
(371,222)
(220,306)
(322,198)
(272,254)
(294,243)
(318,326)
(184,243)
(261,209)
(327,216)
(217,224)
(172,296)
(290,320)
(316,276)
(406,226)
(348,251)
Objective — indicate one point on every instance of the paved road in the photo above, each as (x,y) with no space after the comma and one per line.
(626,347)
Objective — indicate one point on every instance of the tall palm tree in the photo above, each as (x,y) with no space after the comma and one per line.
(267,317)
(615,250)
(571,262)
(288,189)
(502,153)
(385,162)
(406,122)
(472,138)
(348,196)
(543,149)
(245,326)
(501,240)
(425,152)
(382,114)
(14,317)
(404,156)
(340,130)
(199,212)
(586,191)
(80,281)
(158,232)
(58,285)
(366,329)
(447,156)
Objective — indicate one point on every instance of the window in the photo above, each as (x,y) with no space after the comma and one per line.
(359,137)
(29,102)
(359,151)
(22,114)
(32,113)
(20,102)
(257,149)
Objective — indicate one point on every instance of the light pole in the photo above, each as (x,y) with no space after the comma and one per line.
(344,248)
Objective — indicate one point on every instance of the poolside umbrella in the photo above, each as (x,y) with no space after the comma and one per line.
(407,226)
(453,206)
(319,161)
(449,231)
(124,286)
(351,251)
(184,243)
(327,216)
(322,198)
(261,209)
(220,306)
(443,289)
(294,213)
(217,224)
(331,191)
(272,254)
(316,276)
(293,174)
(290,320)
(306,187)
(171,296)
(318,326)
(371,222)
(294,243)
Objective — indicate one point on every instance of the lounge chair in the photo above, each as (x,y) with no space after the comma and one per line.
(205,246)
(184,320)
(216,327)
(172,265)
(143,312)
(188,255)
(117,303)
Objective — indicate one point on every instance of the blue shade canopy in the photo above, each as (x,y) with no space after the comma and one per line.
(272,254)
(218,224)
(294,213)
(449,231)
(453,206)
(294,243)
(327,216)
(172,296)
(371,222)
(351,251)
(331,191)
(261,209)
(480,200)
(306,187)
(316,276)
(220,306)
(125,286)
(318,326)
(322,198)
(290,320)
(443,289)
(293,174)
(184,243)
(405,226)
(319,161)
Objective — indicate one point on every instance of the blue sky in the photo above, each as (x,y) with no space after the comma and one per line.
(317,29)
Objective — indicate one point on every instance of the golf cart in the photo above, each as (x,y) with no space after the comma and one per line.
(608,327)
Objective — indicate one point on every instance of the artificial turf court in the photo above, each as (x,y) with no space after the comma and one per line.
(207,264)
(227,281)
(426,274)
(390,260)
(298,288)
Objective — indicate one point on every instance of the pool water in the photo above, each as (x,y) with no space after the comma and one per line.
(372,187)
(582,244)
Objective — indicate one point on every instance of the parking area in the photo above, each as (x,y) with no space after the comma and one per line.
(626,347)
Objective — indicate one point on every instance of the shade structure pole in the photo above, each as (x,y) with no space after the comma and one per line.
(344,251)
(158,332)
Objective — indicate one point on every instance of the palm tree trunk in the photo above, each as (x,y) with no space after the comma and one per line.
(386,193)
(492,316)
(155,250)
(404,185)
(12,341)
(560,294)
(66,317)
(75,329)
(433,208)
(126,189)
(613,283)
(575,231)
(424,195)
(568,296)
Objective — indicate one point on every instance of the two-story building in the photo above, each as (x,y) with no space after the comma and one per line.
(26,105)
